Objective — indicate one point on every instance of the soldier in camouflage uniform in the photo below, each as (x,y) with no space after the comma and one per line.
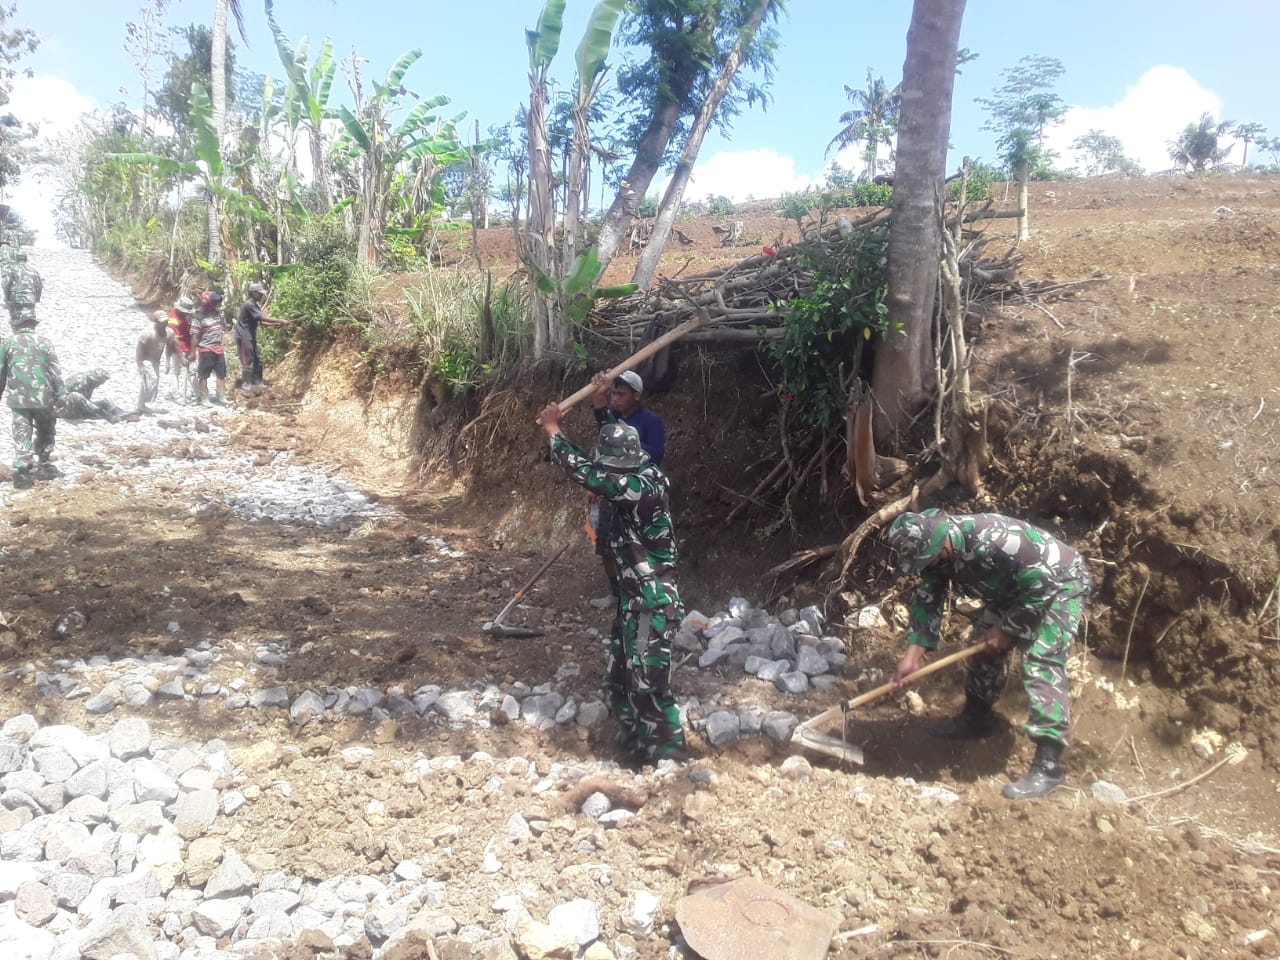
(78,403)
(29,368)
(649,613)
(1035,589)
(7,254)
(22,289)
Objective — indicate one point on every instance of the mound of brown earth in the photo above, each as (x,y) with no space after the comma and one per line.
(1138,416)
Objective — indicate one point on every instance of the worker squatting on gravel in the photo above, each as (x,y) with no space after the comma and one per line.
(649,613)
(1034,588)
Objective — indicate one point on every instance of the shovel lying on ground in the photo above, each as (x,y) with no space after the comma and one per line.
(806,736)
(496,628)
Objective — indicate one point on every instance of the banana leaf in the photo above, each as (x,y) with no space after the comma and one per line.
(208,148)
(322,72)
(594,46)
(583,272)
(354,130)
(544,39)
(395,76)
(165,166)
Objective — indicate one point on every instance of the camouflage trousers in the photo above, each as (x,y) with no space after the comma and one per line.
(76,406)
(639,682)
(33,435)
(1044,660)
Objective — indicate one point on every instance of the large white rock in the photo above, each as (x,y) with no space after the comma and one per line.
(20,728)
(89,781)
(20,941)
(78,744)
(53,763)
(151,781)
(217,918)
(125,930)
(130,737)
(195,812)
(232,877)
(578,920)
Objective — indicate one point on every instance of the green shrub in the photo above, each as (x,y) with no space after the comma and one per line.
(827,331)
(981,177)
(316,290)
(720,207)
(648,207)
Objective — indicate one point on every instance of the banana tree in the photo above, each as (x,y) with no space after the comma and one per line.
(421,143)
(549,304)
(591,53)
(310,87)
(543,41)
(206,170)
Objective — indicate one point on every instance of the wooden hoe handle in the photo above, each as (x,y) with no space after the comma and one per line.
(884,688)
(644,353)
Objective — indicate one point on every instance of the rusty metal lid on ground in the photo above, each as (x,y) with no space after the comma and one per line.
(750,920)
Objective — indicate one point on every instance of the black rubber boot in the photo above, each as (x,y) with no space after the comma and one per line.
(976,721)
(1046,773)
(22,479)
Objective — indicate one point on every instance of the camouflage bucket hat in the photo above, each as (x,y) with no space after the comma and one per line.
(618,445)
(97,377)
(918,538)
(185,305)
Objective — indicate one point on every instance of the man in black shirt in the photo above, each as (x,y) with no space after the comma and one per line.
(247,322)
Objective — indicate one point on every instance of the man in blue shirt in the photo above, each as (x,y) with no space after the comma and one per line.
(619,402)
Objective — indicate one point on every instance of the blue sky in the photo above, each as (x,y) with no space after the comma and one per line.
(1139,69)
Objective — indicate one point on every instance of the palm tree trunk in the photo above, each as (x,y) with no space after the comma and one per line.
(1024,225)
(904,368)
(319,170)
(218,93)
(540,233)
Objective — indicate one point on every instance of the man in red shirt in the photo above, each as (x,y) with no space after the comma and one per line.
(208,327)
(178,358)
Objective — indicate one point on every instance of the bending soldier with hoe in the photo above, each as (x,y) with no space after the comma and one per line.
(619,402)
(649,612)
(1035,589)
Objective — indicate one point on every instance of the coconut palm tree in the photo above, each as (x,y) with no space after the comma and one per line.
(872,121)
(218,91)
(1196,146)
(903,375)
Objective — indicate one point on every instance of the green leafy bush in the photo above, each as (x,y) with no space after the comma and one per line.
(315,291)
(720,207)
(827,331)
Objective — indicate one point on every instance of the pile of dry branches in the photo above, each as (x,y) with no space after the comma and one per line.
(747,300)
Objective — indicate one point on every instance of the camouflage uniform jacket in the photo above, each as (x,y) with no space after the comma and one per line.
(22,286)
(644,538)
(1014,568)
(29,367)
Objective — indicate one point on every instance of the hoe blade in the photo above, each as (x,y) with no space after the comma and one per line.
(842,750)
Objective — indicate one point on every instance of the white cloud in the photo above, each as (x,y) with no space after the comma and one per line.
(55,106)
(739,174)
(1150,114)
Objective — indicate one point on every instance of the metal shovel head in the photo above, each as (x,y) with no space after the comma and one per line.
(750,920)
(499,630)
(822,743)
